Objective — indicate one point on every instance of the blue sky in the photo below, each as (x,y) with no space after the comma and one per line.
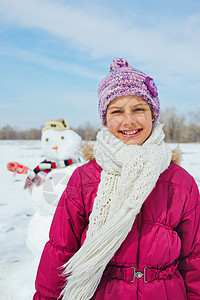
(53,54)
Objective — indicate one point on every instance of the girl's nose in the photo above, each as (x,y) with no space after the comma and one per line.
(129,119)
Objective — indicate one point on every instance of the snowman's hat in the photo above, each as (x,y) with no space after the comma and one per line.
(59,124)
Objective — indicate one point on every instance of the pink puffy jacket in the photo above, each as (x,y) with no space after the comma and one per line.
(160,258)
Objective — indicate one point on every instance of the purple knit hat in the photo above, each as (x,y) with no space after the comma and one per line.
(124,80)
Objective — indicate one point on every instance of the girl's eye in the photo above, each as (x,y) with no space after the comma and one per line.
(117,111)
(47,139)
(139,109)
(62,137)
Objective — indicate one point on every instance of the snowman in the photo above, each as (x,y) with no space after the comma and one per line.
(61,147)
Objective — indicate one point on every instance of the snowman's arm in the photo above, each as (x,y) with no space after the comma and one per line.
(66,230)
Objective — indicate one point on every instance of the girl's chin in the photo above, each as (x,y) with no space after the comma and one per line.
(131,142)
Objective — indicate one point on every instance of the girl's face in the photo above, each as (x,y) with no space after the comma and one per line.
(129,118)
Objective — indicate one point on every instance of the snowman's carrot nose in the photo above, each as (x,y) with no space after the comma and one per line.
(55,148)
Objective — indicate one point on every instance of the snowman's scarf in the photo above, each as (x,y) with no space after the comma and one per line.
(38,174)
(129,175)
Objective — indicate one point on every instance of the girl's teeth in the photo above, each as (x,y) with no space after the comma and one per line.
(130,132)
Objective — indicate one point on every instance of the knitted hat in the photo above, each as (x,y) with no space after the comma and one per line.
(124,80)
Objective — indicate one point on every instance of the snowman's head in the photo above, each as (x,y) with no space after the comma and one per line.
(59,142)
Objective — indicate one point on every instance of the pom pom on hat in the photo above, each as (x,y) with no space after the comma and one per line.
(118,63)
(124,80)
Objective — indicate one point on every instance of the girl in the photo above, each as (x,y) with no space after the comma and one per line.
(128,224)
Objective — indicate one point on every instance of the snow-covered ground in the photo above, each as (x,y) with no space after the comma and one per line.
(17,264)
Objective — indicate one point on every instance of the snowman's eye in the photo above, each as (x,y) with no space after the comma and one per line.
(47,139)
(62,137)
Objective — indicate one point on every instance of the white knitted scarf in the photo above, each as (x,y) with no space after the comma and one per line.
(129,175)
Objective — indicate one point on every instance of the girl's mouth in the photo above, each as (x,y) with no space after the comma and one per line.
(130,133)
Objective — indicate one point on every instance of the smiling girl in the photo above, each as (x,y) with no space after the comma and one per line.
(128,224)
(129,118)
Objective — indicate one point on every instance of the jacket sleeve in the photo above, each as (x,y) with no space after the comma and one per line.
(189,232)
(66,230)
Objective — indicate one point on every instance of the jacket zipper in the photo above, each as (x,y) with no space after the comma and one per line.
(139,222)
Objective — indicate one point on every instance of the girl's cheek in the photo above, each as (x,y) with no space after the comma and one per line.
(114,123)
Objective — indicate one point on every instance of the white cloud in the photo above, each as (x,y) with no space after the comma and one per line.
(53,64)
(172,43)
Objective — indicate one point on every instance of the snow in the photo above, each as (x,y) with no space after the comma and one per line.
(17,264)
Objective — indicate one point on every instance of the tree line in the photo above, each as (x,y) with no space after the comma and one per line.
(178,129)
(181,129)
(87,131)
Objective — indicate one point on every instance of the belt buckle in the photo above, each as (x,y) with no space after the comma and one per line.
(139,274)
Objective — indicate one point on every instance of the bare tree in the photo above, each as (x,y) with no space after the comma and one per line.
(87,131)
(9,133)
(194,127)
(174,128)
